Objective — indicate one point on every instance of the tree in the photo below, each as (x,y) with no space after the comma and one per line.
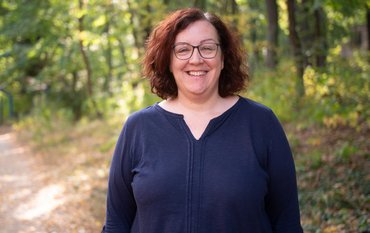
(109,9)
(256,31)
(313,32)
(28,46)
(296,47)
(202,4)
(272,33)
(83,51)
(368,26)
(321,44)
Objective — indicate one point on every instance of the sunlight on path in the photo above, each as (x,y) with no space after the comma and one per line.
(41,203)
(39,196)
(24,200)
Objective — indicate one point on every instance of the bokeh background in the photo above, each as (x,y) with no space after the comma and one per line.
(70,74)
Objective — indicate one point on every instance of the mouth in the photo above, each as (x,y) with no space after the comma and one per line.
(197,73)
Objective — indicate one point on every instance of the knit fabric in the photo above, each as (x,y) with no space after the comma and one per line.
(238,177)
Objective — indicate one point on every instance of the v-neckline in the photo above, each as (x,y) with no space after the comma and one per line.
(212,124)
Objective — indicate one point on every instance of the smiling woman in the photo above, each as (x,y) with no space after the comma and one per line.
(203,160)
(159,53)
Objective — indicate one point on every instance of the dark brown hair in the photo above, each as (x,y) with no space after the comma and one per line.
(156,63)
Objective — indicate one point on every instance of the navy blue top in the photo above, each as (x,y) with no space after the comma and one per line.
(238,177)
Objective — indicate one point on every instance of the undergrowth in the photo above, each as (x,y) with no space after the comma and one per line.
(338,95)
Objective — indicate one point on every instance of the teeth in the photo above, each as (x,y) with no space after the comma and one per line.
(197,73)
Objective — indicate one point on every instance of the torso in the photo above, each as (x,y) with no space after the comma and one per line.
(214,184)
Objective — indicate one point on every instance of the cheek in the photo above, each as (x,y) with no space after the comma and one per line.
(177,66)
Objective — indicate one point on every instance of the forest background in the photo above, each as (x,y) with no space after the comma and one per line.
(70,74)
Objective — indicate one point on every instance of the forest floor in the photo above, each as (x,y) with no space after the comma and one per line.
(53,178)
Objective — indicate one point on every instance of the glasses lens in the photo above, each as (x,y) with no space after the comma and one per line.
(183,51)
(208,50)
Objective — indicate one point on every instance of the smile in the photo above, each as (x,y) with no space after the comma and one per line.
(196,73)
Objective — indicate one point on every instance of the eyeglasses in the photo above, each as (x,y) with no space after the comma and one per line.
(184,51)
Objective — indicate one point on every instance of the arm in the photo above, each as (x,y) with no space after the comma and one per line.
(121,206)
(282,200)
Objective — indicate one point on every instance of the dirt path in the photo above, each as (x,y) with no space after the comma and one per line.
(26,198)
(48,193)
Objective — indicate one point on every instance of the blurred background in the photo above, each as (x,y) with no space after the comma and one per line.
(70,74)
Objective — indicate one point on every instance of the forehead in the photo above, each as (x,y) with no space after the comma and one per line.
(197,32)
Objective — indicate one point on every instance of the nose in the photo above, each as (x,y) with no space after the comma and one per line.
(196,58)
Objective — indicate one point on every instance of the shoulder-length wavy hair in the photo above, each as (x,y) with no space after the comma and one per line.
(156,63)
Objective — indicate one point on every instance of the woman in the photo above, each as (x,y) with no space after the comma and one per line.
(204,160)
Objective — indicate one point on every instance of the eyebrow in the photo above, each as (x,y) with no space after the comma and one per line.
(201,42)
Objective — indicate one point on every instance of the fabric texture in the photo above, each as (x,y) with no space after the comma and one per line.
(239,177)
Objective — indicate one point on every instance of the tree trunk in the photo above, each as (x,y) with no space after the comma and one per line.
(135,33)
(140,23)
(148,27)
(234,7)
(321,44)
(201,4)
(87,64)
(122,50)
(368,27)
(108,52)
(84,55)
(306,31)
(272,33)
(296,47)
(234,12)
(255,60)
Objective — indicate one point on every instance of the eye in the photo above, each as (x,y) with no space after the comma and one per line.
(182,49)
(208,48)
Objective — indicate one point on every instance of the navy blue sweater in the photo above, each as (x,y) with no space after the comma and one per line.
(239,177)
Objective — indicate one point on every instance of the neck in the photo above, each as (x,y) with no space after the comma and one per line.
(198,107)
(198,103)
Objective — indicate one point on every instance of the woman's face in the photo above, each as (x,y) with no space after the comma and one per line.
(197,76)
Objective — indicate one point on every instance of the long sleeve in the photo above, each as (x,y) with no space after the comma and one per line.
(121,206)
(282,199)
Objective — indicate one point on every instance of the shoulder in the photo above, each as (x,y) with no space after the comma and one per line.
(142,115)
(255,109)
(261,118)
(139,119)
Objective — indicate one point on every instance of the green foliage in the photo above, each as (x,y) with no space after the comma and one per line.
(336,96)
(275,89)
(4,107)
(42,56)
(346,150)
(333,197)
(340,94)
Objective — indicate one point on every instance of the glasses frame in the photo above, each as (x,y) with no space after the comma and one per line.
(196,47)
